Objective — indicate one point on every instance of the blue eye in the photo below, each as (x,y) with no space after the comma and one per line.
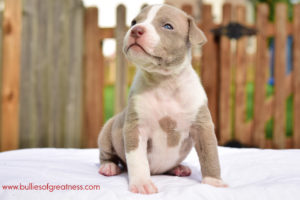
(168,26)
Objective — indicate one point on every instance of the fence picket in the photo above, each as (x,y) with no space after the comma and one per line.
(279,75)
(93,79)
(121,63)
(225,70)
(241,132)
(296,76)
(57,87)
(1,19)
(73,118)
(11,61)
(262,64)
(209,69)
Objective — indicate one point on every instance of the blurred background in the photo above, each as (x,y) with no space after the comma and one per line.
(63,73)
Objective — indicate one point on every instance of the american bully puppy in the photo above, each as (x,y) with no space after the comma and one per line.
(167,111)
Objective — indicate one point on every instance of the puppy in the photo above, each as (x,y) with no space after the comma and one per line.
(167,111)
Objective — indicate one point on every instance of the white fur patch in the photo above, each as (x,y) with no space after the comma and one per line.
(152,36)
(152,13)
(138,167)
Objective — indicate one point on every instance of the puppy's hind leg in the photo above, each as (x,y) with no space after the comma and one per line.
(108,159)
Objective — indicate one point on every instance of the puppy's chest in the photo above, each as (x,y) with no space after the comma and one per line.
(165,117)
(168,109)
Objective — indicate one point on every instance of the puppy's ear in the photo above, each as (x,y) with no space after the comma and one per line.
(196,36)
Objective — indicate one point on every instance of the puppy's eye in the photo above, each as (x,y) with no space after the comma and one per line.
(133,22)
(168,26)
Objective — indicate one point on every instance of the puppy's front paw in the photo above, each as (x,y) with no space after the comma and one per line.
(144,187)
(109,169)
(214,182)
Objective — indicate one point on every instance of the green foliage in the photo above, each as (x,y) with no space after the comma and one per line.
(272,4)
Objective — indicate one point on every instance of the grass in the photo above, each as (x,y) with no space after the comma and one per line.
(109,102)
(109,107)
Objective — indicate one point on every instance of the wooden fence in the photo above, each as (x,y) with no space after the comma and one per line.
(45,109)
(62,76)
(230,118)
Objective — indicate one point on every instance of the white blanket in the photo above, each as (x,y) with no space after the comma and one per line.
(251,174)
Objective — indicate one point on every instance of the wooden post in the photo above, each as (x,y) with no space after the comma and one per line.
(279,136)
(187,8)
(241,132)
(296,75)
(121,68)
(209,72)
(12,26)
(1,20)
(93,80)
(73,102)
(225,70)
(261,68)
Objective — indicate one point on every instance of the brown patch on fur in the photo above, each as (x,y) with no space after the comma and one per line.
(202,132)
(173,139)
(168,125)
(131,132)
(149,145)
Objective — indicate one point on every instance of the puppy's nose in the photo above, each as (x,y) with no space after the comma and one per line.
(137,32)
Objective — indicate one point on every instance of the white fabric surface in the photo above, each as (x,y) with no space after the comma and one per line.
(251,174)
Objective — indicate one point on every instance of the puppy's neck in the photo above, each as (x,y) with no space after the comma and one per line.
(155,78)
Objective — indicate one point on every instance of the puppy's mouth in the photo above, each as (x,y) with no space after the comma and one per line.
(142,48)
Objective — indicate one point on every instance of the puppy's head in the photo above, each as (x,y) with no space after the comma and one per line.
(160,38)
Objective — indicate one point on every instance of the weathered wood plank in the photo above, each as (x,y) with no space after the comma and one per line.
(28,127)
(269,108)
(225,70)
(57,71)
(51,74)
(105,33)
(41,72)
(73,105)
(121,63)
(260,76)
(279,75)
(1,19)
(240,83)
(12,26)
(209,70)
(64,62)
(296,76)
(36,76)
(93,83)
